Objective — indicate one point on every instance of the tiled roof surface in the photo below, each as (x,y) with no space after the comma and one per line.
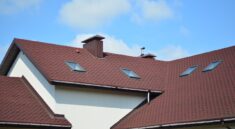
(19,103)
(50,59)
(199,96)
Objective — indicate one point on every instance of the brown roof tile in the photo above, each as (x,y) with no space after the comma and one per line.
(50,60)
(197,97)
(20,105)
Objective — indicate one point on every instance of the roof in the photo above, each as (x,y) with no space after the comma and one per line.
(22,106)
(201,96)
(50,60)
(196,97)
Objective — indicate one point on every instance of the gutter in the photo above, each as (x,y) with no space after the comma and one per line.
(36,125)
(187,123)
(104,86)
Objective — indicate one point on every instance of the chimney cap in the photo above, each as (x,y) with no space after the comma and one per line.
(96,37)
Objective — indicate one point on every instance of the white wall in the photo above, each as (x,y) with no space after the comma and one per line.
(94,108)
(23,67)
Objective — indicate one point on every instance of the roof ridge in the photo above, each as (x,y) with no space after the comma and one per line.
(60,45)
(204,53)
(137,57)
(46,43)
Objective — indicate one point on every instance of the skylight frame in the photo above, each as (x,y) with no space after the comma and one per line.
(77,67)
(212,66)
(189,71)
(130,73)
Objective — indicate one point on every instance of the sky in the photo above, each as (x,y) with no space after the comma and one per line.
(170,29)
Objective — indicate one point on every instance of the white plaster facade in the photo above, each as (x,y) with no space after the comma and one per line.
(85,108)
(94,108)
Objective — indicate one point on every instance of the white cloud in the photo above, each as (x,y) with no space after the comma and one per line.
(14,6)
(111,44)
(152,10)
(89,14)
(171,52)
(92,13)
(114,45)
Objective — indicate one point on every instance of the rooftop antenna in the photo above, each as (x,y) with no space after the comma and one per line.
(142,51)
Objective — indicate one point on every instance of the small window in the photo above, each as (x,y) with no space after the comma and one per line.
(188,71)
(75,67)
(212,66)
(130,73)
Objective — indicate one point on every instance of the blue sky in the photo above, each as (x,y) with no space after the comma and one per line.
(170,29)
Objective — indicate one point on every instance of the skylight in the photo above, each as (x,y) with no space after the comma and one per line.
(188,71)
(130,73)
(212,66)
(75,66)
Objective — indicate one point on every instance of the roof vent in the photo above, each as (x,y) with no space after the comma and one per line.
(148,56)
(94,45)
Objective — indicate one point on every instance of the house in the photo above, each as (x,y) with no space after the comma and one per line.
(51,86)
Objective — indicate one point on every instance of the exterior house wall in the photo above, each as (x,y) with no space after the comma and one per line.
(94,108)
(23,67)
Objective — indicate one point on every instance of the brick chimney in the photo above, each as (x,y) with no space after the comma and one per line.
(94,45)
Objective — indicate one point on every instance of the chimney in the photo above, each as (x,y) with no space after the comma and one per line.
(94,45)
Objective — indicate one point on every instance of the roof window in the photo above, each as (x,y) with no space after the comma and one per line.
(130,73)
(212,66)
(188,71)
(75,66)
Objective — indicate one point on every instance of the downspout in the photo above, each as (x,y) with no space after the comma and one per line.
(148,96)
